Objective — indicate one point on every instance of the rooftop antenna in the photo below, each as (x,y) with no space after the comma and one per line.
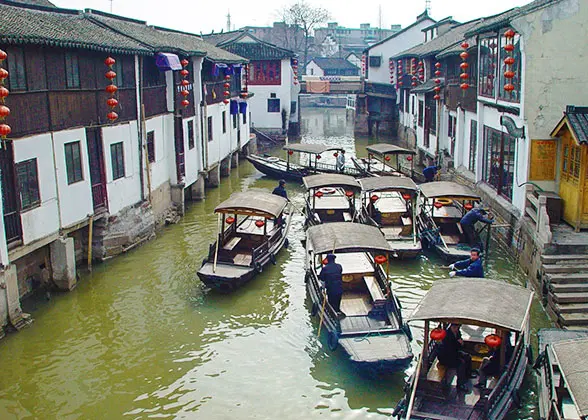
(428,6)
(111,1)
(380,22)
(228,21)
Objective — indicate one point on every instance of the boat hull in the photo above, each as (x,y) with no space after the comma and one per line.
(226,277)
(406,250)
(274,172)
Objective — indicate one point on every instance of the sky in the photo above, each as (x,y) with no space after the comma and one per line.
(198,16)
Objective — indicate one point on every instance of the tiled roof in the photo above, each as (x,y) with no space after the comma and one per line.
(438,44)
(333,63)
(578,121)
(44,3)
(60,27)
(456,49)
(258,50)
(223,37)
(425,87)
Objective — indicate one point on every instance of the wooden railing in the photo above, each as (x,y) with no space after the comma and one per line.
(503,385)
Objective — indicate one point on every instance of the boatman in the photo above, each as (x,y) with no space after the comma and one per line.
(468,223)
(430,172)
(471,267)
(451,355)
(332,277)
(340,161)
(280,189)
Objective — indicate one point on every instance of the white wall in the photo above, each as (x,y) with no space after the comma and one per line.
(193,157)
(163,169)
(312,69)
(355,60)
(125,191)
(220,146)
(41,221)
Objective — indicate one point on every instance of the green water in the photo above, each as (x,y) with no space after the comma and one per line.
(141,337)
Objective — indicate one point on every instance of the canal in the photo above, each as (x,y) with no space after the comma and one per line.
(141,337)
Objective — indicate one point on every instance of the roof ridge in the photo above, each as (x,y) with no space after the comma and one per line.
(111,15)
(41,8)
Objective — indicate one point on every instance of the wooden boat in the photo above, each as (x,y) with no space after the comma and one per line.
(372,333)
(253,226)
(390,203)
(278,168)
(492,313)
(331,198)
(442,206)
(562,376)
(386,159)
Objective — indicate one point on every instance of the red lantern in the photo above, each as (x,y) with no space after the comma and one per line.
(421,70)
(3,73)
(184,72)
(184,62)
(244,95)
(464,55)
(3,55)
(464,86)
(509,61)
(509,47)
(406,196)
(380,259)
(374,197)
(387,158)
(464,66)
(230,220)
(226,101)
(413,84)
(414,78)
(112,115)
(438,73)
(184,82)
(510,33)
(109,61)
(409,158)
(437,89)
(325,261)
(111,89)
(463,76)
(465,45)
(336,154)
(349,194)
(259,223)
(400,83)
(318,194)
(509,74)
(185,102)
(438,334)
(111,102)
(468,206)
(4,111)
(227,85)
(438,65)
(227,77)
(438,205)
(437,97)
(184,93)
(509,87)
(5,130)
(438,81)
(110,75)
(318,157)
(290,152)
(493,341)
(4,92)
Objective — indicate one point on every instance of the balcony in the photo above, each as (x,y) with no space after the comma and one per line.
(455,96)
(215,92)
(380,89)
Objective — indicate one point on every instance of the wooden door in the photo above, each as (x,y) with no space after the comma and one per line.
(10,197)
(179,143)
(427,127)
(97,169)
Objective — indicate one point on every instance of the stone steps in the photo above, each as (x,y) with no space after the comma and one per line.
(576,319)
(570,267)
(570,278)
(570,288)
(572,297)
(564,259)
(571,308)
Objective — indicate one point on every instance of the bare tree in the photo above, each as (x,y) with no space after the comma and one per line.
(287,35)
(306,17)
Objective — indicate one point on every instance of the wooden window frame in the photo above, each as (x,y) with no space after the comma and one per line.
(473,146)
(72,70)
(73,162)
(151,146)
(224,118)
(487,74)
(28,189)
(117,160)
(210,127)
(17,70)
(421,116)
(191,143)
(271,105)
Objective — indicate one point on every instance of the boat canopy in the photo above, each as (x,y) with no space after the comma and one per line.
(346,237)
(383,183)
(570,356)
(448,189)
(330,180)
(313,149)
(389,149)
(489,303)
(253,203)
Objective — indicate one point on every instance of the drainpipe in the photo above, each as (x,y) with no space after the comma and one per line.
(140,117)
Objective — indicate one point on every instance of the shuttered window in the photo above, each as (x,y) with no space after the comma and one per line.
(72,71)
(17,80)
(28,184)
(73,162)
(117,157)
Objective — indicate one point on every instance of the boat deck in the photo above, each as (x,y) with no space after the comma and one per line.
(458,405)
(229,271)
(377,348)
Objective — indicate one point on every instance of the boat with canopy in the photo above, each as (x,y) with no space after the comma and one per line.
(253,226)
(386,159)
(495,323)
(372,333)
(331,198)
(442,206)
(390,203)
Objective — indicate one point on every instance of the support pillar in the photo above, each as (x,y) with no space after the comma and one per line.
(235,160)
(177,198)
(213,178)
(225,167)
(63,263)
(197,191)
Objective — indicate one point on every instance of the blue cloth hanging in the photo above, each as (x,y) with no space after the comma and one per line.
(243,107)
(234,108)
(217,67)
(228,70)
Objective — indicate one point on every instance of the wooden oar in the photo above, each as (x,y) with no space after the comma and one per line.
(414,388)
(217,241)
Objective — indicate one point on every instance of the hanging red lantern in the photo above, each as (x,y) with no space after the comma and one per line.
(227,93)
(509,61)
(387,158)
(4,111)
(112,115)
(464,66)
(465,45)
(438,65)
(509,74)
(464,86)
(111,89)
(4,92)
(184,72)
(437,81)
(226,101)
(184,82)
(318,157)
(414,78)
(349,194)
(318,194)
(290,152)
(409,158)
(406,196)
(184,62)
(227,77)
(400,83)
(468,206)
(230,220)
(464,55)
(184,93)
(413,84)
(509,87)
(259,223)
(380,259)
(227,85)
(109,61)
(438,205)
(438,334)
(438,73)
(185,102)
(509,47)
(335,154)
(437,89)
(421,70)
(437,97)
(111,102)
(5,130)
(3,55)
(3,74)
(493,341)
(374,197)
(110,75)
(463,76)
(510,33)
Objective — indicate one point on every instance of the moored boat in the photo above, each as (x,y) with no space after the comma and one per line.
(442,206)
(495,324)
(331,198)
(386,159)
(253,226)
(372,332)
(390,203)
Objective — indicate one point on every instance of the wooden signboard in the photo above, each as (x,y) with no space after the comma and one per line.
(543,160)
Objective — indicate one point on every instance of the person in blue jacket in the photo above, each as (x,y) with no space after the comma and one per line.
(281,189)
(332,277)
(430,172)
(468,223)
(471,267)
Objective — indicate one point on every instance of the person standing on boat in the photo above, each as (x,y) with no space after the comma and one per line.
(472,267)
(468,223)
(430,172)
(452,356)
(332,277)
(340,161)
(281,189)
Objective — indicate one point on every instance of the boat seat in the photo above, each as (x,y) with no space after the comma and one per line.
(374,288)
(440,373)
(242,259)
(451,239)
(230,245)
(346,217)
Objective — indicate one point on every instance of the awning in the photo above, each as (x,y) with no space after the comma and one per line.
(330,180)
(570,357)
(253,202)
(390,183)
(346,237)
(167,61)
(448,189)
(388,149)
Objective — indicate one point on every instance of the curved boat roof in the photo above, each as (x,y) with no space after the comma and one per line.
(389,149)
(330,180)
(569,355)
(448,189)
(382,183)
(346,237)
(315,149)
(253,203)
(491,303)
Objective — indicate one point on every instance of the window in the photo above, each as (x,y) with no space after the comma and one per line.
(28,184)
(224,121)
(190,135)
(401,100)
(473,145)
(572,156)
(421,113)
(499,161)
(117,158)
(151,74)
(151,146)
(375,61)
(235,117)
(17,79)
(488,58)
(513,96)
(312,72)
(406,101)
(245,118)
(273,105)
(265,72)
(451,126)
(73,162)
(431,118)
(293,107)
(413,107)
(209,128)
(118,69)
(72,71)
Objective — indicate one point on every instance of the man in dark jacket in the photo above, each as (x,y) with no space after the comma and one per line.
(332,276)
(280,189)
(451,355)
(468,223)
(471,267)
(430,172)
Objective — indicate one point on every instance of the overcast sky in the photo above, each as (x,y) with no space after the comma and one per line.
(204,16)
